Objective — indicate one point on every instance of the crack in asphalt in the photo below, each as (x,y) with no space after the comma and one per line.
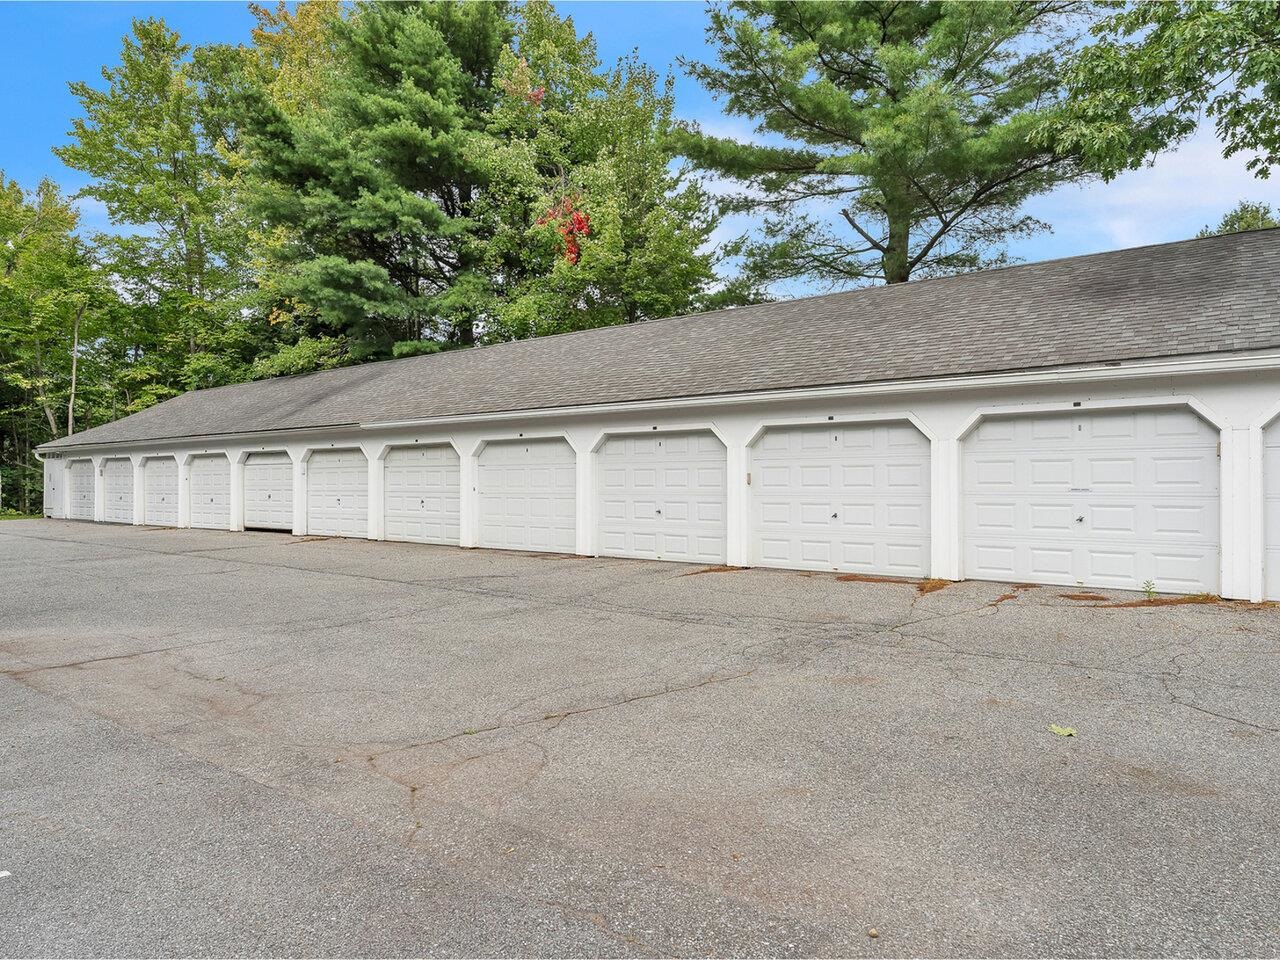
(559,716)
(74,664)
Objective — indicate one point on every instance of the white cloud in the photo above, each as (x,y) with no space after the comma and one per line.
(730,128)
(1172,199)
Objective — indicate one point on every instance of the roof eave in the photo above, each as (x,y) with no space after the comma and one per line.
(1102,370)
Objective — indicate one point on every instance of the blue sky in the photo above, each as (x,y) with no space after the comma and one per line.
(45,45)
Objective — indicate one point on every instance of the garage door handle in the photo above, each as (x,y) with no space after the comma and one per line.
(657,511)
(1080,519)
(834,515)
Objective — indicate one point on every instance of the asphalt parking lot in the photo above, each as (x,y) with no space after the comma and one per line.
(231,744)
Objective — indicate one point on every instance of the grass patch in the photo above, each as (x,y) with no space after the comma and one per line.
(1192,599)
(869,578)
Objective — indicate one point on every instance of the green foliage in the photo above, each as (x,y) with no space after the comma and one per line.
(154,142)
(56,315)
(1156,68)
(302,356)
(416,348)
(573,143)
(7,514)
(910,122)
(1243,216)
(375,189)
(410,197)
(294,52)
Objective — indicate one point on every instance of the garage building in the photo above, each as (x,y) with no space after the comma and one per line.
(1096,421)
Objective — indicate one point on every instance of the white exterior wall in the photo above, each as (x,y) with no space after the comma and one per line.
(1239,403)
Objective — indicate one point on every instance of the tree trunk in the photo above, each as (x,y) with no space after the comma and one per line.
(897,250)
(24,487)
(44,397)
(75,357)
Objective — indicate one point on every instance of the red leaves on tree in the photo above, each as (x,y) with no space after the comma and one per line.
(535,95)
(571,223)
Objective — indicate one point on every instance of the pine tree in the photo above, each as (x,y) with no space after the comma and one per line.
(375,190)
(894,138)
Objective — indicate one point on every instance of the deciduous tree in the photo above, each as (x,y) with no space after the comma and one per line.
(1243,216)
(1154,69)
(153,142)
(591,225)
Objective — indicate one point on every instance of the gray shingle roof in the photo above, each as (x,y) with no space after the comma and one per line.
(1220,294)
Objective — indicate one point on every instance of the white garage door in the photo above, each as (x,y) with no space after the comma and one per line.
(1113,499)
(211,492)
(1271,512)
(338,494)
(268,491)
(53,478)
(160,492)
(528,495)
(851,497)
(117,507)
(662,496)
(81,490)
(420,494)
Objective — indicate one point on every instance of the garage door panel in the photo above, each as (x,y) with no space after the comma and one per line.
(338,494)
(1115,473)
(1055,562)
(1177,423)
(211,492)
(845,497)
(992,561)
(1271,511)
(905,517)
(992,517)
(988,473)
(821,476)
(1110,520)
(53,487)
(663,497)
(1185,472)
(906,476)
(1122,498)
(1050,473)
(422,494)
(117,505)
(160,492)
(82,490)
(906,557)
(1049,517)
(528,495)
(268,491)
(810,551)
